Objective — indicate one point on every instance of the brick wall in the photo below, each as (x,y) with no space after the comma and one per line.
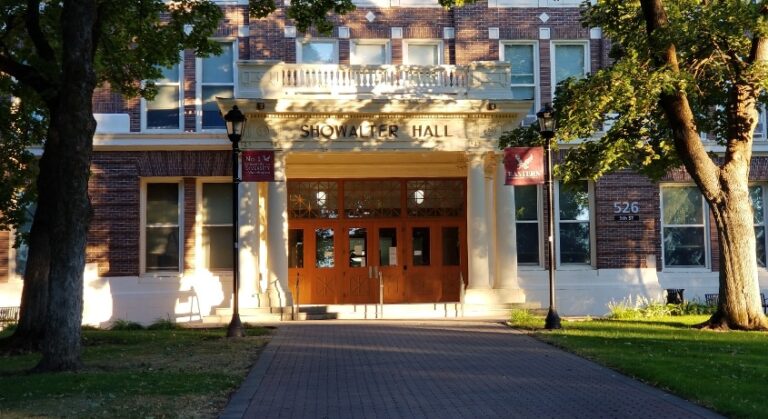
(268,42)
(5,247)
(113,240)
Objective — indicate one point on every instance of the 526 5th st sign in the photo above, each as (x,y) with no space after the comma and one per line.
(626,211)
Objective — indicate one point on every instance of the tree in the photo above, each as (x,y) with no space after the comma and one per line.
(60,52)
(680,68)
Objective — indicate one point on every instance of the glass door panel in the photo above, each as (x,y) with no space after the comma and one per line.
(387,247)
(420,245)
(358,247)
(390,263)
(324,248)
(295,248)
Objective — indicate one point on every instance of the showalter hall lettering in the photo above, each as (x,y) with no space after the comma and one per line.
(364,130)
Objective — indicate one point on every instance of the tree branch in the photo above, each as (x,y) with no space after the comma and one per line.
(28,75)
(676,106)
(42,46)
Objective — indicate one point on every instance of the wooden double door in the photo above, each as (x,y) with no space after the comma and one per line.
(339,261)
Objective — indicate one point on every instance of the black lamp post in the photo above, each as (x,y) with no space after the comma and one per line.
(546,117)
(235,121)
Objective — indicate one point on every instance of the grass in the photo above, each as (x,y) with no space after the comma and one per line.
(725,371)
(184,373)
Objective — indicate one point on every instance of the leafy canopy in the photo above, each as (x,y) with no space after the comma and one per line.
(620,103)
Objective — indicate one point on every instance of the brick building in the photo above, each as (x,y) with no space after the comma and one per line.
(384,137)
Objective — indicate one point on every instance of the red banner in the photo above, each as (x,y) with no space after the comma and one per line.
(524,165)
(258,166)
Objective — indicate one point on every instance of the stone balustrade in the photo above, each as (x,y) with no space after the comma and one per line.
(276,79)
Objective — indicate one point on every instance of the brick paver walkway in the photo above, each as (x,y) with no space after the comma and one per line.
(436,370)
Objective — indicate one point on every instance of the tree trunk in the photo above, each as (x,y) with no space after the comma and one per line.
(71,128)
(739,305)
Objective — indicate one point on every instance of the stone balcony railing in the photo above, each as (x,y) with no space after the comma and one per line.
(276,79)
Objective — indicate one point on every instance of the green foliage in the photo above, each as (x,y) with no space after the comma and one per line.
(523,136)
(525,319)
(9,328)
(121,324)
(307,13)
(22,124)
(163,324)
(140,37)
(712,40)
(644,308)
(640,308)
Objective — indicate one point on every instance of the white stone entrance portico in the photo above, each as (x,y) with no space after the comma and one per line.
(331,122)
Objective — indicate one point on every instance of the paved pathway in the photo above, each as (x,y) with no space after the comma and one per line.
(439,369)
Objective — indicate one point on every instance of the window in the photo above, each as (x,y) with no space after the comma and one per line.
(317,52)
(527,224)
(371,3)
(217,79)
(757,194)
(523,59)
(416,3)
(217,226)
(760,134)
(295,248)
(164,111)
(423,52)
(570,59)
(683,227)
(573,223)
(536,3)
(369,52)
(161,233)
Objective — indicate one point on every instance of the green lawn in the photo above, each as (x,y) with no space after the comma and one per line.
(726,371)
(140,373)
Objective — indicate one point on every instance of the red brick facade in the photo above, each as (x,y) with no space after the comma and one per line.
(113,240)
(115,182)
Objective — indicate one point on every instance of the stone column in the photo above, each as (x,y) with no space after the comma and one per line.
(477,225)
(490,216)
(249,244)
(506,238)
(277,236)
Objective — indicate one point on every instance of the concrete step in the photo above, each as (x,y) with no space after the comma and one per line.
(372,311)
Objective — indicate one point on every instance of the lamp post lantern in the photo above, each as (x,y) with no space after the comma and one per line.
(235,122)
(546,117)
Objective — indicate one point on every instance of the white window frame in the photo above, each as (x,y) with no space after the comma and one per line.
(535,3)
(592,226)
(180,85)
(143,223)
(387,48)
(200,258)
(540,229)
(199,84)
(760,129)
(707,241)
(416,3)
(438,42)
(375,4)
(762,223)
(536,72)
(553,63)
(301,42)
